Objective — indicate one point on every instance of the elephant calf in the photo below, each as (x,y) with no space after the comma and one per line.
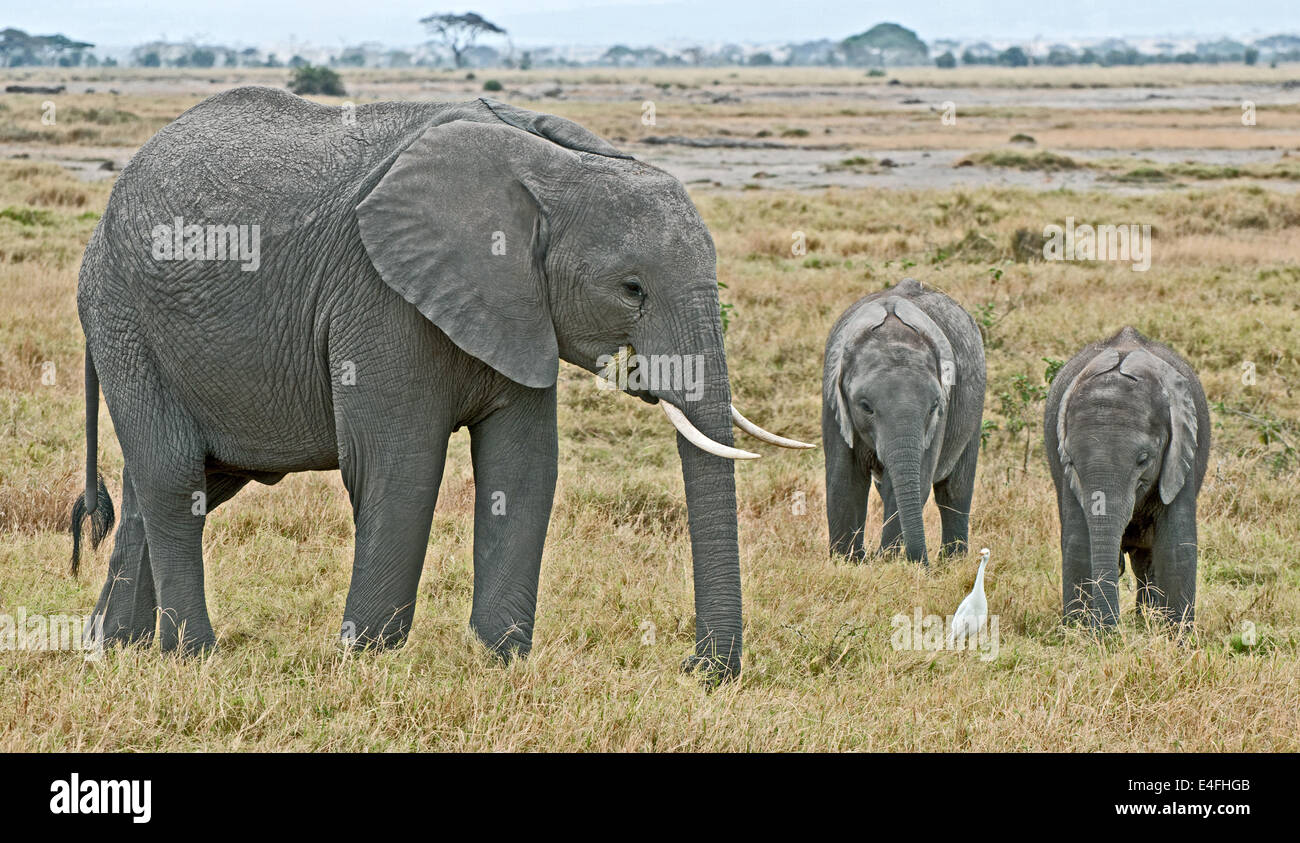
(902,401)
(1127,434)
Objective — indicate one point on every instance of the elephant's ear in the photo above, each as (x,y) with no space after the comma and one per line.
(918,320)
(455,227)
(1103,362)
(1181,453)
(555,129)
(869,316)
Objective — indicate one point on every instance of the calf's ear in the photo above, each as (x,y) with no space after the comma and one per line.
(1180,455)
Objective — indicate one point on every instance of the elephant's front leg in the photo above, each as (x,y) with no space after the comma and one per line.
(953,497)
(1076,562)
(394,487)
(891,528)
(1173,562)
(515,453)
(846,495)
(1140,559)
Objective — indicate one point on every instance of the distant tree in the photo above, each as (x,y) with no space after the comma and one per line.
(18,48)
(885,43)
(946,61)
(316,80)
(1061,55)
(970,56)
(459,32)
(761,59)
(298,61)
(1126,56)
(351,57)
(1251,56)
(151,59)
(1013,57)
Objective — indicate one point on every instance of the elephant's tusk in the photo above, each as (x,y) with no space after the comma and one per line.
(765,435)
(699,440)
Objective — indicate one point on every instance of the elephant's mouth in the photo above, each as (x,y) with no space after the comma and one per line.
(622,371)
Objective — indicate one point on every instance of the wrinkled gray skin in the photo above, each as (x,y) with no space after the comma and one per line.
(379,322)
(1136,440)
(887,416)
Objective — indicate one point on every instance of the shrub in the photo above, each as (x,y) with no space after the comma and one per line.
(310,79)
(492,85)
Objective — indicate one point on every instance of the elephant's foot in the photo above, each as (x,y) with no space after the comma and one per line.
(122,620)
(387,634)
(190,636)
(110,631)
(125,614)
(713,670)
(954,547)
(507,641)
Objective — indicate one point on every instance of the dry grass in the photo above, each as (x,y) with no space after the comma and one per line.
(820,673)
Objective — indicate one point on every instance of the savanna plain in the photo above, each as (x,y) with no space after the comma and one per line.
(868,175)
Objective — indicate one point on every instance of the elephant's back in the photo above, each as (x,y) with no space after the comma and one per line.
(261,152)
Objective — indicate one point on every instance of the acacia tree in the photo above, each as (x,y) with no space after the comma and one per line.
(459,32)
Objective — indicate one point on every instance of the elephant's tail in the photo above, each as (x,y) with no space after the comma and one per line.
(95,501)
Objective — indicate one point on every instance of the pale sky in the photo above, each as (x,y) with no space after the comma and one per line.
(111,23)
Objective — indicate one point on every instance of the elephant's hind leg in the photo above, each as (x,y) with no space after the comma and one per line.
(128,603)
(172,491)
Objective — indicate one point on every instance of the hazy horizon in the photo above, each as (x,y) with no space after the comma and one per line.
(117,23)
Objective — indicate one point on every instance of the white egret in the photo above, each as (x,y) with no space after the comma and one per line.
(974,610)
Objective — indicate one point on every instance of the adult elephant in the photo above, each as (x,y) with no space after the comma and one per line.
(403,270)
(1127,433)
(902,400)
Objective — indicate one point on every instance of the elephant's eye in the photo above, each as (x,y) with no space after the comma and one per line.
(634,289)
(866,408)
(1144,458)
(934,408)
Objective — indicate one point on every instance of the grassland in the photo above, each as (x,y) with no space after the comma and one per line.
(615,613)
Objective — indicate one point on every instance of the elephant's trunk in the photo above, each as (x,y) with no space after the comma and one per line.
(902,460)
(1107,517)
(711,506)
(710,491)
